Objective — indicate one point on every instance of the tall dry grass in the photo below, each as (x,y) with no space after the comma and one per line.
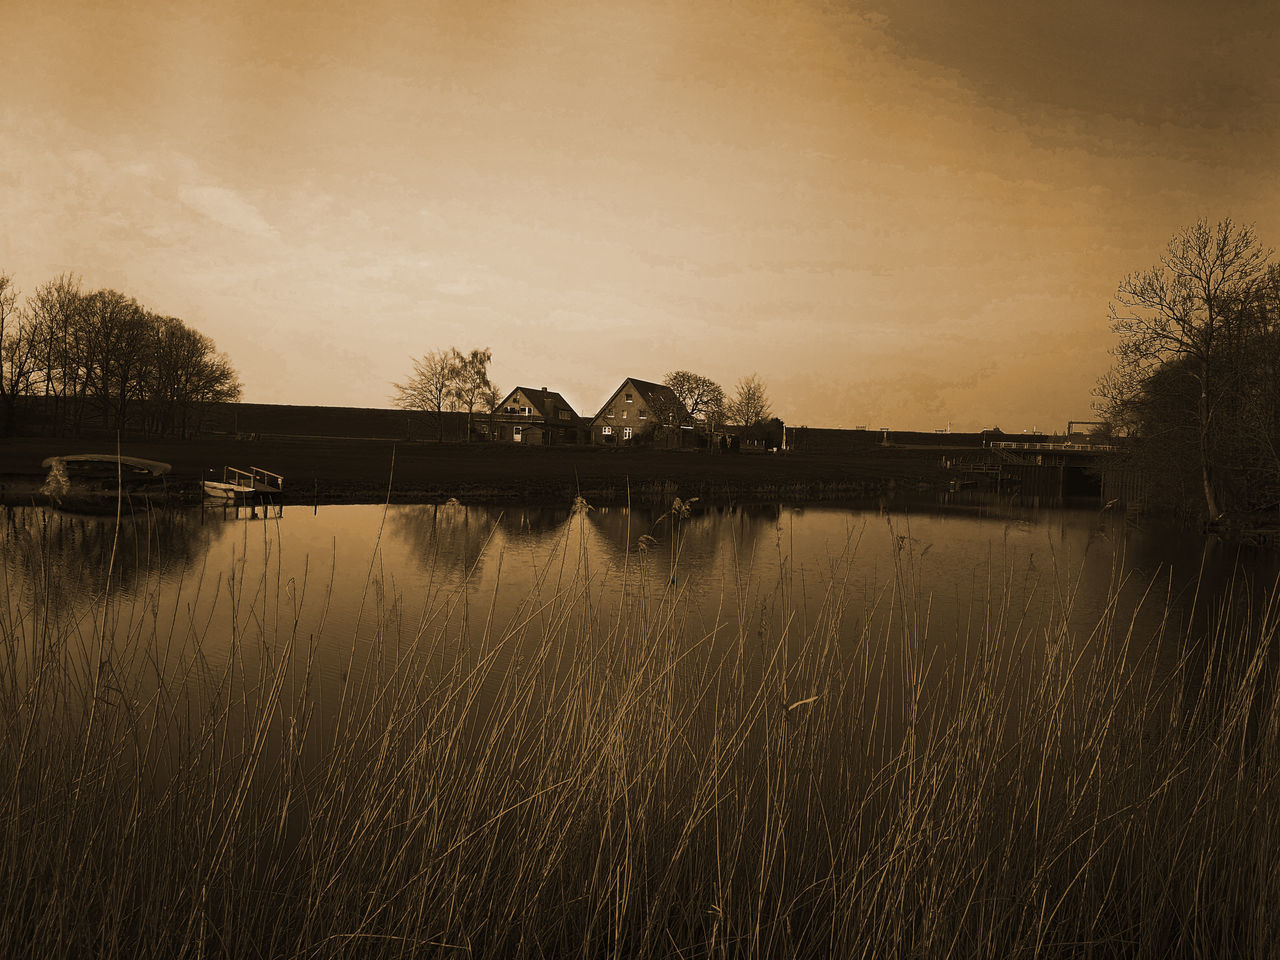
(636,778)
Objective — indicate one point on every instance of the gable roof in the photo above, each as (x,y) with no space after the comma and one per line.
(542,401)
(656,395)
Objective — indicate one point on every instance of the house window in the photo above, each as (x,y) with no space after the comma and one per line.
(629,398)
(644,414)
(624,414)
(606,430)
(564,414)
(526,411)
(510,410)
(516,431)
(626,433)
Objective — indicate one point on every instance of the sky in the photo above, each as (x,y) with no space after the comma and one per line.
(904,213)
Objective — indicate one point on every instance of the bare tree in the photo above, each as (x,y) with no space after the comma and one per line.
(116,334)
(184,371)
(54,310)
(702,397)
(749,405)
(1192,313)
(490,400)
(17,353)
(471,379)
(431,385)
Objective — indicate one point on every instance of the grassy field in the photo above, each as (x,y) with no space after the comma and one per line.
(594,780)
(332,470)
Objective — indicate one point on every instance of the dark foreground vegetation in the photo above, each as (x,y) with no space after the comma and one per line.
(633,781)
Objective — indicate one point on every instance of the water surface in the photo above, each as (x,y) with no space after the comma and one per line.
(344,575)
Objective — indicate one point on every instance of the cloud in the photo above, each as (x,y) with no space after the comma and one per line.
(225,207)
(461,287)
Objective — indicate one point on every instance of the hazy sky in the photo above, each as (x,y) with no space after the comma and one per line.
(898,213)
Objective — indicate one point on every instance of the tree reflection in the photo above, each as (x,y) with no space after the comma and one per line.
(58,559)
(535,523)
(447,535)
(687,534)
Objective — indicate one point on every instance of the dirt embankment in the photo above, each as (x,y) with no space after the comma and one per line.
(363,471)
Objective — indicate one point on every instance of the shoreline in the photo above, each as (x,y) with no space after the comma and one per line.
(373,471)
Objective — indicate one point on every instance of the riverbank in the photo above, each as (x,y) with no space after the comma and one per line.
(328,470)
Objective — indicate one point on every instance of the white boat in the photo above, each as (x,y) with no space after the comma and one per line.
(237,484)
(95,479)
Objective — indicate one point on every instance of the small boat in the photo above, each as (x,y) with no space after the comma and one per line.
(91,480)
(237,484)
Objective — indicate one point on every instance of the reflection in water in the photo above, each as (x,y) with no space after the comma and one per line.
(225,510)
(688,536)
(449,534)
(58,559)
(422,592)
(466,569)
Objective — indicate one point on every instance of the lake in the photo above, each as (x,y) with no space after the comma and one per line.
(340,576)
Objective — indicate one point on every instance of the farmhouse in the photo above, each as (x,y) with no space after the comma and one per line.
(535,416)
(642,411)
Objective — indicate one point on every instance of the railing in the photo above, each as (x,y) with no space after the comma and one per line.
(1042,445)
(273,480)
(254,477)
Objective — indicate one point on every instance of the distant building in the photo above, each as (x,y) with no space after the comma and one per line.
(643,412)
(541,417)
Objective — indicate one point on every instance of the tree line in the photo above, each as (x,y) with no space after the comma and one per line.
(453,381)
(100,358)
(450,380)
(706,401)
(1195,386)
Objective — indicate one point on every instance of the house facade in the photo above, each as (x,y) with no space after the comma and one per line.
(642,412)
(540,416)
